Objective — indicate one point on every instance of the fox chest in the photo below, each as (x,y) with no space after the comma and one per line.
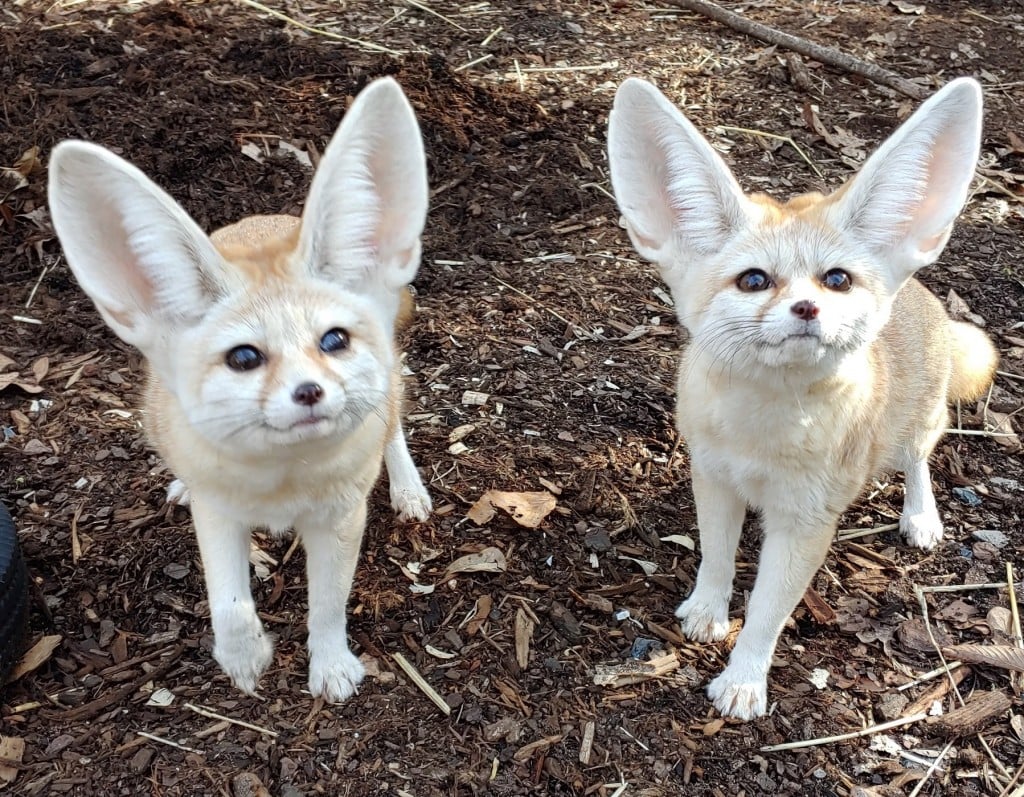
(771,451)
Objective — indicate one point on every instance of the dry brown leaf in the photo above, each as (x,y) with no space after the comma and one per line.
(526,509)
(487,560)
(1006,657)
(525,753)
(12,748)
(524,633)
(35,657)
(483,609)
(1000,423)
(40,368)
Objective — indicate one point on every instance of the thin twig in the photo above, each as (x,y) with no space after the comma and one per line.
(474,62)
(379,48)
(851,534)
(930,675)
(205,712)
(421,682)
(437,14)
(842,737)
(966,587)
(586,68)
(928,772)
(826,55)
(777,137)
(1018,680)
(168,742)
(923,603)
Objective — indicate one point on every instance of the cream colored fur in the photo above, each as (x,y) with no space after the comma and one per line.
(793,395)
(296,440)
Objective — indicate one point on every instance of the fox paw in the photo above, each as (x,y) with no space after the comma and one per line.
(702,620)
(177,493)
(411,503)
(336,677)
(739,696)
(244,656)
(922,529)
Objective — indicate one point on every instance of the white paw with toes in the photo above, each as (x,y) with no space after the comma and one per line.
(921,529)
(178,493)
(244,656)
(740,696)
(336,676)
(411,503)
(702,620)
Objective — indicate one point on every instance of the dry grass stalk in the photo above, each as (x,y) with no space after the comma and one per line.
(1017,681)
(377,48)
(843,737)
(169,743)
(776,137)
(421,682)
(928,773)
(428,10)
(205,712)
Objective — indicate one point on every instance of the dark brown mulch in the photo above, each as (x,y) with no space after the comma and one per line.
(529,293)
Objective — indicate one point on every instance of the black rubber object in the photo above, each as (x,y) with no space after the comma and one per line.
(13,595)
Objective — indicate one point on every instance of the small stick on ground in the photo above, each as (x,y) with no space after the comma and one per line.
(328,34)
(826,55)
(1016,681)
(421,682)
(169,743)
(928,773)
(953,665)
(205,712)
(852,534)
(777,137)
(842,737)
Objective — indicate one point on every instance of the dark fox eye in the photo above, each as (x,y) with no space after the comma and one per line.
(754,279)
(837,280)
(334,340)
(244,358)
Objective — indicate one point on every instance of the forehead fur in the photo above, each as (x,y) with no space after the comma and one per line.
(258,259)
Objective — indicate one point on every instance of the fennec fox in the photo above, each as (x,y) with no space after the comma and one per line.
(815,359)
(274,385)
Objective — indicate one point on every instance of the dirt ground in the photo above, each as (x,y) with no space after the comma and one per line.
(529,293)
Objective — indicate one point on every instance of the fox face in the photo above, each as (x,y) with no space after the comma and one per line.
(768,299)
(803,283)
(286,365)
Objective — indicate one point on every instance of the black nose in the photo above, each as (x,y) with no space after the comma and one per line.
(804,310)
(308,393)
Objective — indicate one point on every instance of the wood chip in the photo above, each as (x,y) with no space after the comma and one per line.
(587,743)
(524,633)
(35,657)
(822,612)
(980,710)
(12,749)
(634,671)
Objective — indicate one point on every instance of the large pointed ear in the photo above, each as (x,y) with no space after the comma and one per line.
(903,202)
(368,201)
(677,195)
(136,253)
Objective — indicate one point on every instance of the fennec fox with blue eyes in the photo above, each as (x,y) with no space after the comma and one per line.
(274,382)
(815,359)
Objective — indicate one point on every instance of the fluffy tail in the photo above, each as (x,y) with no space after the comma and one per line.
(974,362)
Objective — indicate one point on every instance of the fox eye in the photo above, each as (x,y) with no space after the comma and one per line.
(754,279)
(334,340)
(837,280)
(244,358)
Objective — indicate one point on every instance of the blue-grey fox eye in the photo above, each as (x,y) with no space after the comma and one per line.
(334,340)
(244,358)
(754,279)
(837,280)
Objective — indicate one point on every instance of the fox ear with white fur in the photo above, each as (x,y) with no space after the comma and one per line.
(903,202)
(145,263)
(678,197)
(368,202)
